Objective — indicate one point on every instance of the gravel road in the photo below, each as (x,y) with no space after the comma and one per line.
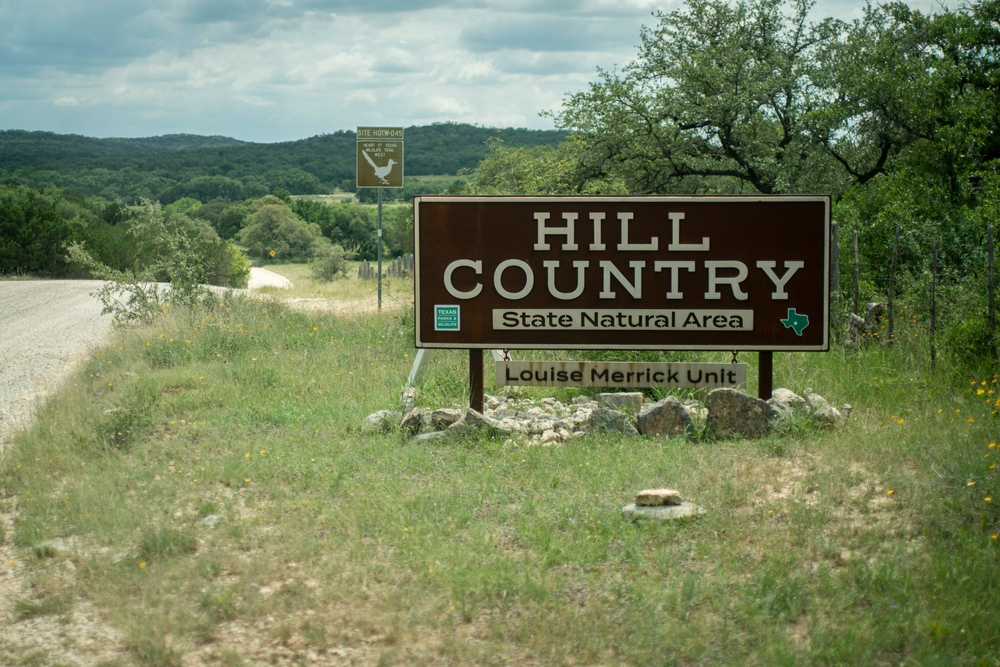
(45,327)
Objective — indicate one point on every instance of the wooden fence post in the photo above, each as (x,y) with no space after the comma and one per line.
(933,304)
(892,280)
(989,288)
(857,278)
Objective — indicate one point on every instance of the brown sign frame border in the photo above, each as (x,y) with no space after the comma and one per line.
(495,344)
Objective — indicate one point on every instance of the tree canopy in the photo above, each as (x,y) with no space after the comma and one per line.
(754,96)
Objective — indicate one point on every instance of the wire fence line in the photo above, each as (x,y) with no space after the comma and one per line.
(923,295)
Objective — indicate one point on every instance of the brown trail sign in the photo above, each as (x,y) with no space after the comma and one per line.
(380,165)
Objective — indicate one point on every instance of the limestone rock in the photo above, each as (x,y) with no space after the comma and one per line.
(662,512)
(408,400)
(432,435)
(815,401)
(826,415)
(732,412)
(845,410)
(788,398)
(548,436)
(445,417)
(666,418)
(477,419)
(383,420)
(605,420)
(413,422)
(784,411)
(508,424)
(459,427)
(654,497)
(873,314)
(630,402)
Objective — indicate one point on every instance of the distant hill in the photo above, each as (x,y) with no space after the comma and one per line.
(184,165)
(46,150)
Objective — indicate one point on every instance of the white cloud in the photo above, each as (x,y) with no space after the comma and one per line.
(365,96)
(269,70)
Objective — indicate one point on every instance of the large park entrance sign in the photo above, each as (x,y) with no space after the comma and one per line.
(624,273)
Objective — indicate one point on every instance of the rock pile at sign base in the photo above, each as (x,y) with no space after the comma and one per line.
(727,411)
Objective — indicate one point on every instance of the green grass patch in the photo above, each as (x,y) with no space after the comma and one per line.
(242,517)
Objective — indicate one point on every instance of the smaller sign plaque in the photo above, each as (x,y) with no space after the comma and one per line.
(620,374)
(380,157)
(446,318)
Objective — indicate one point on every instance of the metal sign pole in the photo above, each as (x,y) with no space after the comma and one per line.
(380,249)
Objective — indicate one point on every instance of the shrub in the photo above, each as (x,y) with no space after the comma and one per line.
(132,294)
(330,263)
(273,228)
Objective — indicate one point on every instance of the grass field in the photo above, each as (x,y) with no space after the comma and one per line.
(223,507)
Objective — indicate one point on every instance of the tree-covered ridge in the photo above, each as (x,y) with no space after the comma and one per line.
(172,167)
(48,150)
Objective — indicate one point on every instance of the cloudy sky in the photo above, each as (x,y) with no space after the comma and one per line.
(277,70)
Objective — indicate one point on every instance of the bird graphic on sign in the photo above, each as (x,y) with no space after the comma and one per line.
(380,172)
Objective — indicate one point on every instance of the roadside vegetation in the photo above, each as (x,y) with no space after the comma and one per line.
(218,499)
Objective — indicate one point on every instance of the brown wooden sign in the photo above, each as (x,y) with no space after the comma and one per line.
(658,272)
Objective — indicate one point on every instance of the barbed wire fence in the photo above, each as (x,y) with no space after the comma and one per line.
(924,296)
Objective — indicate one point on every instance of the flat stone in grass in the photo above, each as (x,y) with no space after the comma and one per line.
(666,419)
(654,497)
(662,512)
(732,412)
